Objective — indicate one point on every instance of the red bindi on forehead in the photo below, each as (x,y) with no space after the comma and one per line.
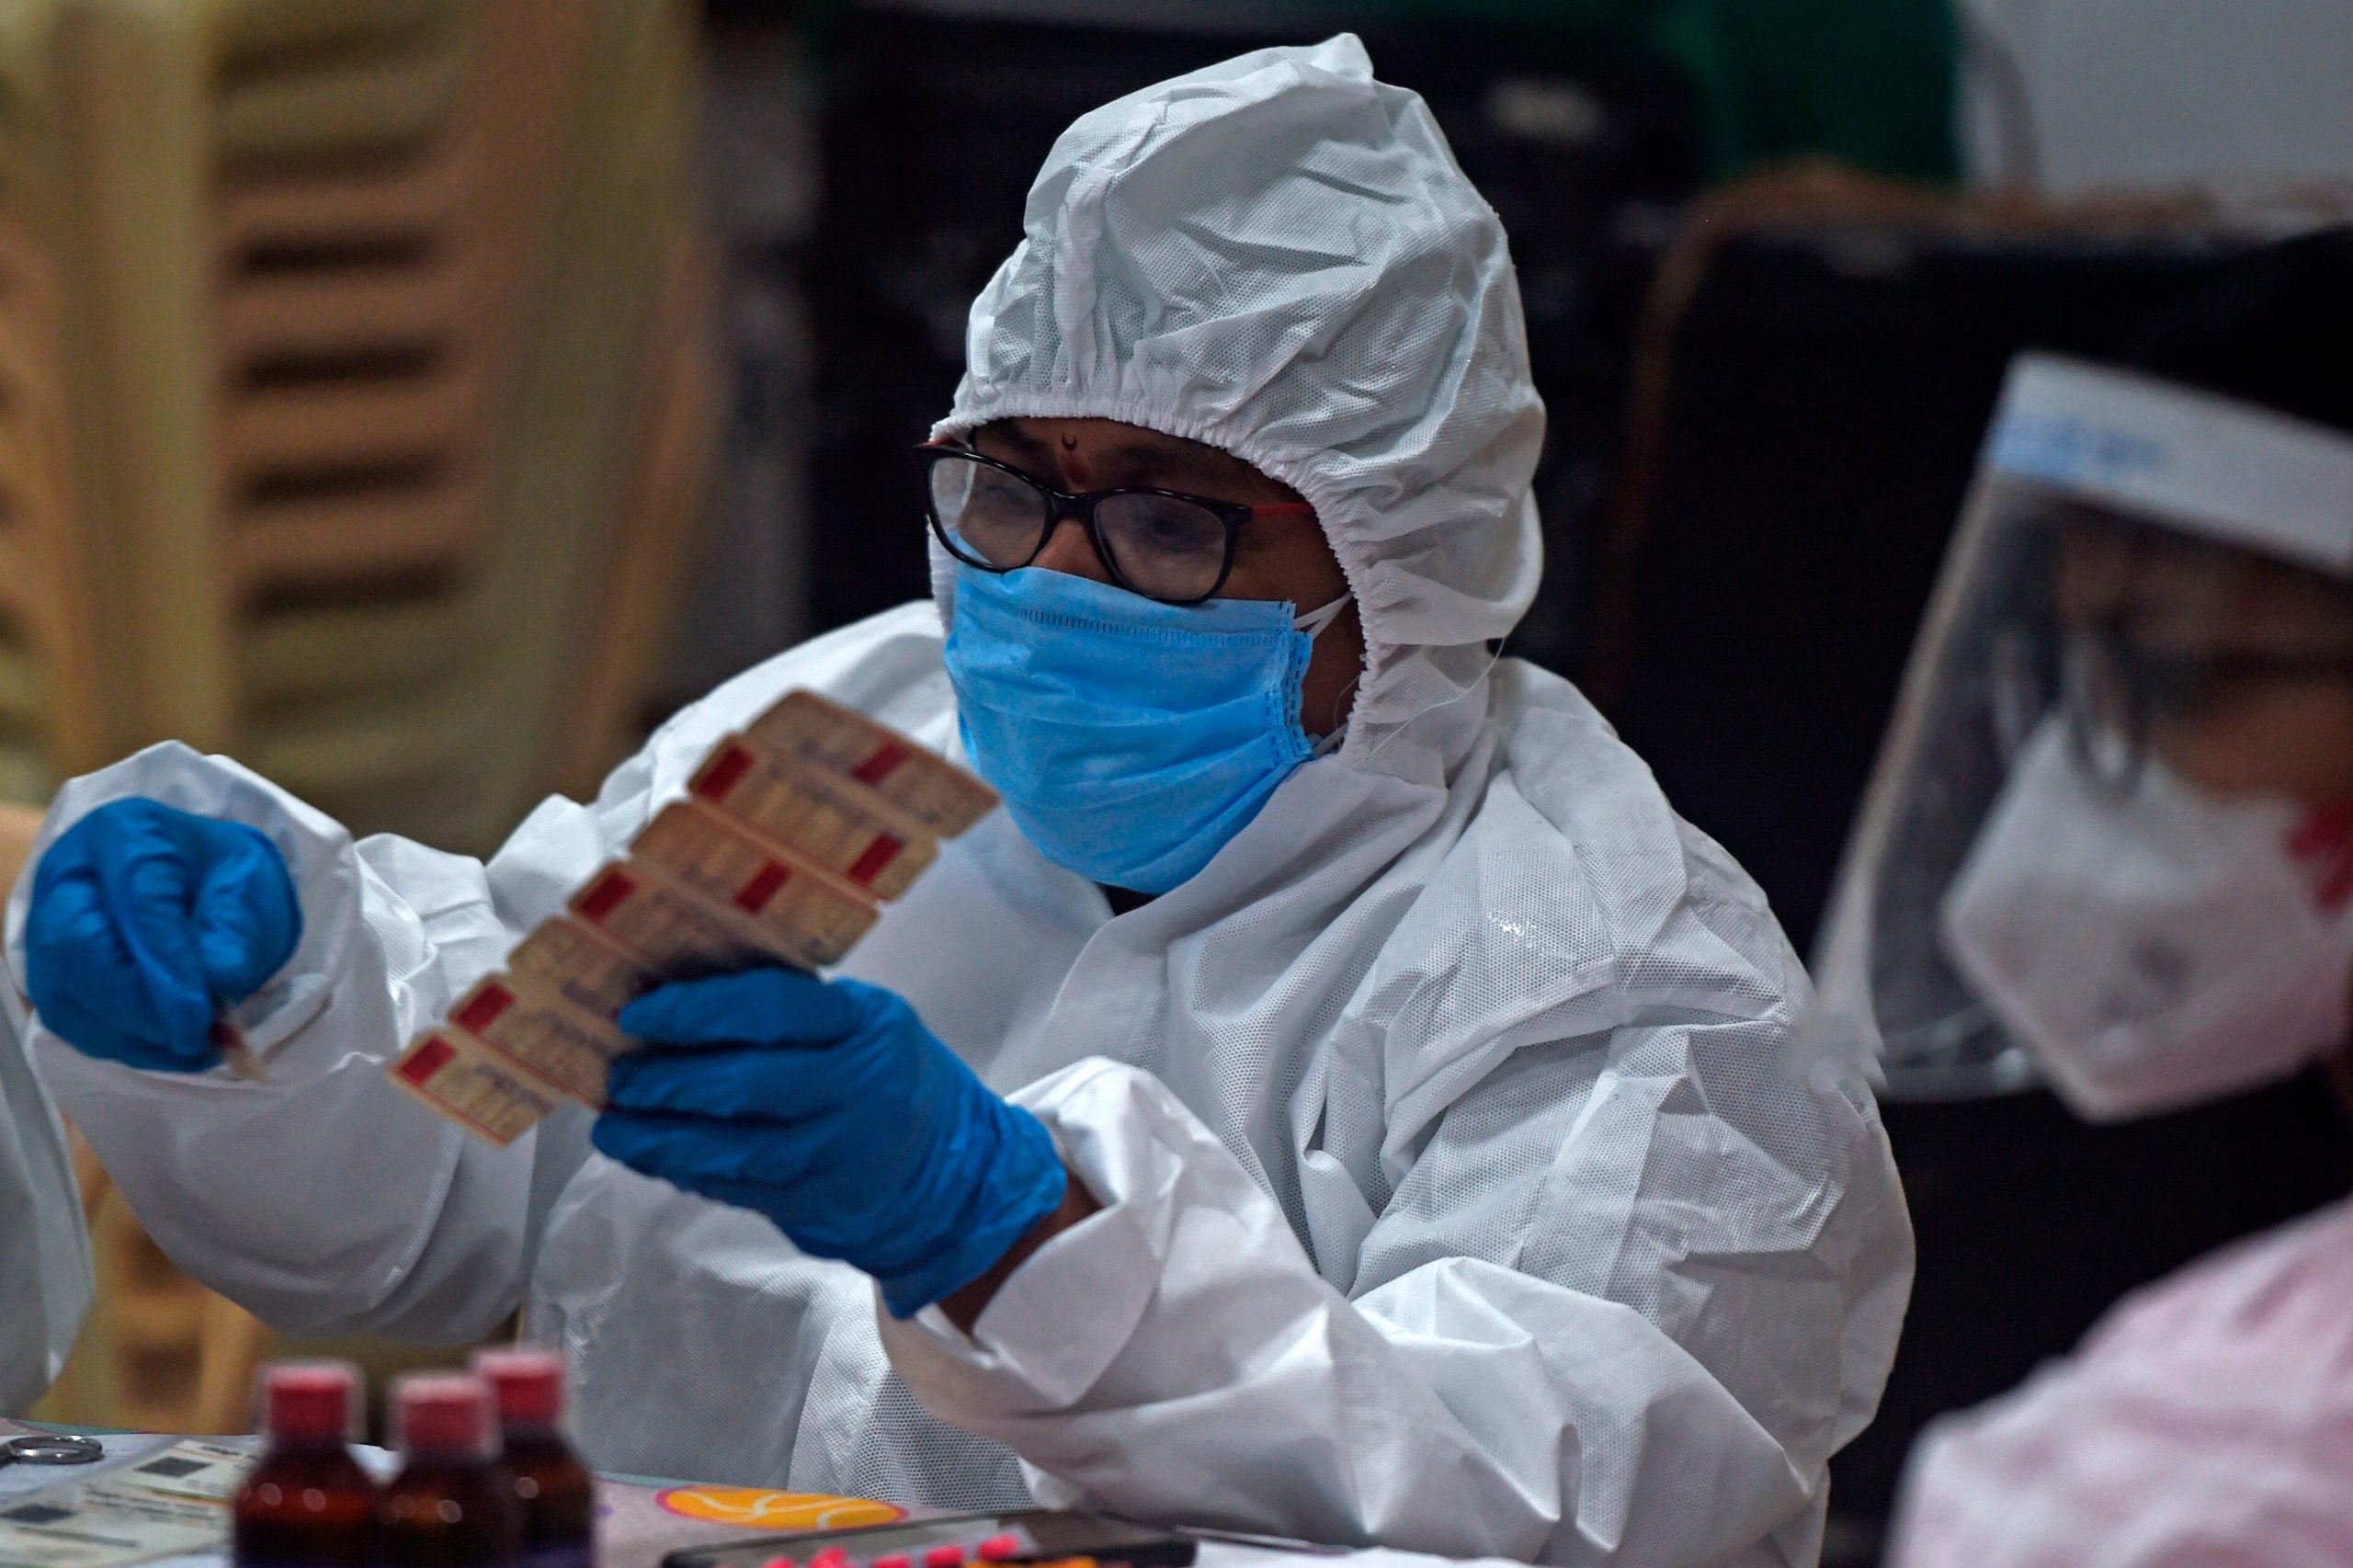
(1076,473)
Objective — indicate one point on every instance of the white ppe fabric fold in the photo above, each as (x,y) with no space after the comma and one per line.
(1447,1116)
(374,965)
(44,1248)
(1427,1414)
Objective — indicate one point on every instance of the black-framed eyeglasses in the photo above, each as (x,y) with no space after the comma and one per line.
(1164,544)
(2114,691)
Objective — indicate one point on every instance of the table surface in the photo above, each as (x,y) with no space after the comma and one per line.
(125,1448)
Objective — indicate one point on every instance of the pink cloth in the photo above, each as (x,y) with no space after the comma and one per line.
(2208,1421)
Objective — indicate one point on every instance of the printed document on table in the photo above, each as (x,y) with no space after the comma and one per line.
(163,1504)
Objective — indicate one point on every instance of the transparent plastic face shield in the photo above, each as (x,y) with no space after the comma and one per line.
(2097,586)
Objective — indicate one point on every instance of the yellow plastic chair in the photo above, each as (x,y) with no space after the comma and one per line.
(376,410)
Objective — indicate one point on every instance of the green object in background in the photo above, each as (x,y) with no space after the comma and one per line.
(1870,82)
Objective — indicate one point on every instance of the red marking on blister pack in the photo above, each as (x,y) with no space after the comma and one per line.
(754,895)
(427,1059)
(726,771)
(598,901)
(483,1010)
(880,764)
(876,856)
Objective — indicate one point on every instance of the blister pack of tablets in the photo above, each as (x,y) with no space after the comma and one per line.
(792,835)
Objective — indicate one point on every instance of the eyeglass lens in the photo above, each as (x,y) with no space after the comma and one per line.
(1162,546)
(2031,672)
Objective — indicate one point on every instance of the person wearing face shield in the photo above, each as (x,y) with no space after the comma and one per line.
(2110,845)
(1336,1097)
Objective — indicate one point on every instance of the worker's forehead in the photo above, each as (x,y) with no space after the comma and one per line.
(1115,448)
(2160,578)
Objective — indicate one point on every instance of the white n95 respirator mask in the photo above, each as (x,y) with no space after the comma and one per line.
(2150,946)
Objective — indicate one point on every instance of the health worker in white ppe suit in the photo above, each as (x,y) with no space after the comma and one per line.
(2111,845)
(1398,1141)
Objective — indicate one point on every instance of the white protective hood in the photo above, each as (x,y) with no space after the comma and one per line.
(1278,256)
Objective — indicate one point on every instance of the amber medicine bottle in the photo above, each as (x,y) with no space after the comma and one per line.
(306,1503)
(450,1506)
(553,1491)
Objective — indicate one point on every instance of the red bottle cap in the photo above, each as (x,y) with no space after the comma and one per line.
(831,1557)
(528,1384)
(442,1413)
(309,1402)
(999,1548)
(892,1559)
(944,1557)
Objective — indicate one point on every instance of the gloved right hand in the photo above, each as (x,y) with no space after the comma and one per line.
(827,1106)
(146,922)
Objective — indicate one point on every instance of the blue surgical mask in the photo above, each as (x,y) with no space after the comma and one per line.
(1131,739)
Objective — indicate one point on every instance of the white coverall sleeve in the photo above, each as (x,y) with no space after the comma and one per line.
(321,1197)
(1178,1356)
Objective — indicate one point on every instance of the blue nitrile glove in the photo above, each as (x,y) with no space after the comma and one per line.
(146,922)
(828,1107)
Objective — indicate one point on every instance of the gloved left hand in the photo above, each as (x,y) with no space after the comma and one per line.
(828,1107)
(145,921)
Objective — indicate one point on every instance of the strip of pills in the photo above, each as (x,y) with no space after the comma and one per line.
(941,797)
(792,833)
(832,820)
